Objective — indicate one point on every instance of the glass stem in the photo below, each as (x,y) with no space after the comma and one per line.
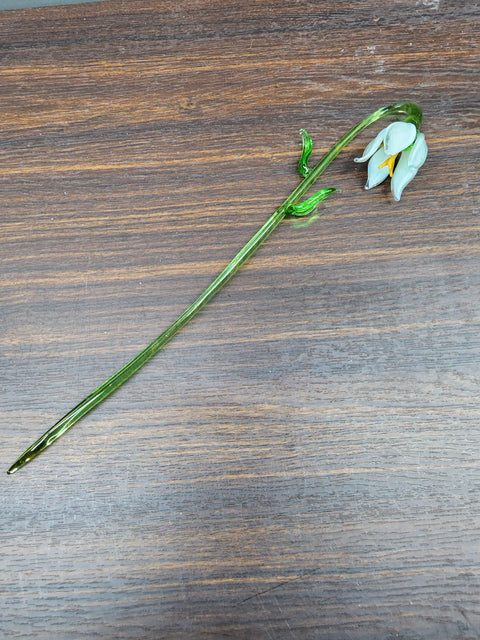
(413,114)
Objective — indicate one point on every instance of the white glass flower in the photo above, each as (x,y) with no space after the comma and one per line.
(398,138)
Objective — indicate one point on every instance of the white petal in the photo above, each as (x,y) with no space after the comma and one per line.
(402,175)
(399,136)
(372,146)
(418,153)
(376,175)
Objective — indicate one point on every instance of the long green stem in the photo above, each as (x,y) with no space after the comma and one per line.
(412,113)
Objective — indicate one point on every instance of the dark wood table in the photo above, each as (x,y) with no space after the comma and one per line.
(303,460)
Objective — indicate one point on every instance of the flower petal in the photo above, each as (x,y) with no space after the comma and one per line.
(375,174)
(402,175)
(418,153)
(399,136)
(372,146)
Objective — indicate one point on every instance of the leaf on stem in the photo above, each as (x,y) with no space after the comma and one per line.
(309,205)
(307,146)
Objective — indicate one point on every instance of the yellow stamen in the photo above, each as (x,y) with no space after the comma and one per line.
(390,163)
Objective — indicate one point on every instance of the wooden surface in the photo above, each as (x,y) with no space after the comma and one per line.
(303,460)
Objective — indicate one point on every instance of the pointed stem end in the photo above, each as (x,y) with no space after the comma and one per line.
(19,463)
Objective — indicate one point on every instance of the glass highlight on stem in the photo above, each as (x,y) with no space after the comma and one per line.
(399,137)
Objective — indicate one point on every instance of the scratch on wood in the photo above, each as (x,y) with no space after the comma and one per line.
(261,593)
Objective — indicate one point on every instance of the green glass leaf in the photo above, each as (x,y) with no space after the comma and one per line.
(307,146)
(307,206)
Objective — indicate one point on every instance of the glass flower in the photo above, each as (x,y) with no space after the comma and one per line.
(398,138)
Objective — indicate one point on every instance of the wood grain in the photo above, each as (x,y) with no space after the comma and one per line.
(303,460)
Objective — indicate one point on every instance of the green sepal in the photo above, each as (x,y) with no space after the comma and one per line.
(307,146)
(309,205)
